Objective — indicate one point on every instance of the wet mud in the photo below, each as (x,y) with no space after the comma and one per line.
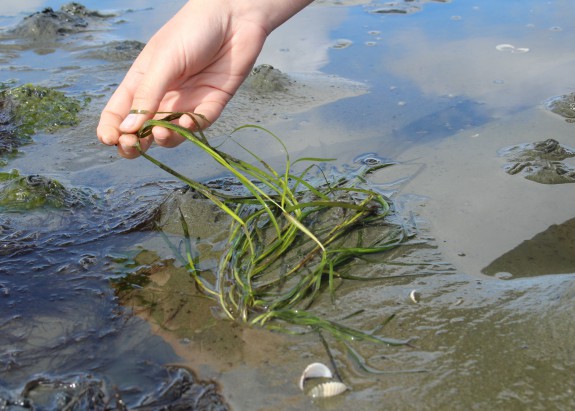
(115,51)
(70,28)
(392,7)
(265,79)
(563,105)
(61,354)
(9,139)
(403,7)
(542,162)
(549,252)
(270,95)
(49,25)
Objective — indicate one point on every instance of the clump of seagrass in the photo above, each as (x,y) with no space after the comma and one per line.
(285,245)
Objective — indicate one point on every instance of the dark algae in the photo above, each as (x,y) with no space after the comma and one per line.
(181,390)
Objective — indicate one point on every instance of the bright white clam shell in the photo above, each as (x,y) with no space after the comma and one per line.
(323,389)
(327,389)
(314,370)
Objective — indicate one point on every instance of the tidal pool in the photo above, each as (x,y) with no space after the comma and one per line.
(96,309)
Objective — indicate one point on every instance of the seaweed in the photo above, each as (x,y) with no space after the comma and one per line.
(285,245)
(18,193)
(28,109)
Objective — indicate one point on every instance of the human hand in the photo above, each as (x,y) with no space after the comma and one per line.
(194,63)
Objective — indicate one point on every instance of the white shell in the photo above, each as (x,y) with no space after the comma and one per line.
(314,370)
(327,389)
(415,296)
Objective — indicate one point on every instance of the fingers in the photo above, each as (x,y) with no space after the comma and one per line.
(166,138)
(108,129)
(135,100)
(194,122)
(181,69)
(116,119)
(113,130)
(111,125)
(127,145)
(147,97)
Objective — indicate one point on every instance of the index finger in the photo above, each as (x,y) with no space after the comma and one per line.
(118,107)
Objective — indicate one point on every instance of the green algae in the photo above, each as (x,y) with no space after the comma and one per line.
(9,140)
(28,109)
(564,106)
(541,162)
(20,193)
(267,79)
(37,108)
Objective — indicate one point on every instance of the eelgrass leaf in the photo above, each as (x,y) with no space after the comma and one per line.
(281,217)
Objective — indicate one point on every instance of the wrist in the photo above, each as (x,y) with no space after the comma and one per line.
(269,14)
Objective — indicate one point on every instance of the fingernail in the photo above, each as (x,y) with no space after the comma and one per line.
(129,122)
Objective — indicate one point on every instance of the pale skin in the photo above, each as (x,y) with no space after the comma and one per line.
(195,63)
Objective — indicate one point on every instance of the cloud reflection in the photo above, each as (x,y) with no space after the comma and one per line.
(476,69)
(11,8)
(302,44)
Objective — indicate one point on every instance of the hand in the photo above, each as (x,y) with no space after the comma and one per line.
(194,63)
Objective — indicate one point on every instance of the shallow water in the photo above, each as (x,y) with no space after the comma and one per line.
(422,83)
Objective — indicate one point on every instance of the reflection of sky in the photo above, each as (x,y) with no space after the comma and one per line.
(449,49)
(10,8)
(302,45)
(15,7)
(155,16)
(443,59)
